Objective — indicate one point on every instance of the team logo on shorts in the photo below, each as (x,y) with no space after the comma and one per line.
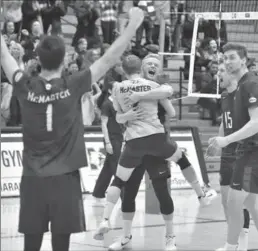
(252,100)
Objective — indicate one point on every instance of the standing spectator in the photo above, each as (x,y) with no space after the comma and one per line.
(6,94)
(31,10)
(87,16)
(81,50)
(123,9)
(147,25)
(13,12)
(187,34)
(51,16)
(108,20)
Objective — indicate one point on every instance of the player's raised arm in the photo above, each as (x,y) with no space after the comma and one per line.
(9,64)
(113,54)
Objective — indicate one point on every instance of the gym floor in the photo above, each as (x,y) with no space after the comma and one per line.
(196,228)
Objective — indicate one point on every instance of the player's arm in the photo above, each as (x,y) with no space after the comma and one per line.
(104,122)
(113,54)
(9,64)
(167,105)
(248,130)
(159,93)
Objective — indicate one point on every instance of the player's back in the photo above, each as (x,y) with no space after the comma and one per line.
(150,124)
(52,123)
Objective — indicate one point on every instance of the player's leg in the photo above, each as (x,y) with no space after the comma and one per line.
(108,170)
(226,171)
(130,158)
(159,172)
(128,208)
(33,217)
(191,177)
(66,209)
(251,204)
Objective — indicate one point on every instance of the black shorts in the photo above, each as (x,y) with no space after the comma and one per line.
(156,167)
(245,174)
(157,145)
(56,200)
(226,171)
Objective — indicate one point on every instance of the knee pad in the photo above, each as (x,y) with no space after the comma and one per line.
(117,182)
(183,162)
(128,206)
(246,219)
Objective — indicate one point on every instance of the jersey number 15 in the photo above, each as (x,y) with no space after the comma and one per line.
(228,120)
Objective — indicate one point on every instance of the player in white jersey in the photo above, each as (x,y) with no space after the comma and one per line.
(143,137)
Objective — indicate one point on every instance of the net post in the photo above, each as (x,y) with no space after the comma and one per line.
(162,29)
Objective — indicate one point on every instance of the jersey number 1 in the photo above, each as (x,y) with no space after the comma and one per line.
(228,120)
(49,118)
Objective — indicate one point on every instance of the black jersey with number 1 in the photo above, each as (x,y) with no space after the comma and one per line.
(53,132)
(227,107)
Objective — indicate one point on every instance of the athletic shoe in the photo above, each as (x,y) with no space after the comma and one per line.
(208,197)
(170,243)
(102,229)
(123,242)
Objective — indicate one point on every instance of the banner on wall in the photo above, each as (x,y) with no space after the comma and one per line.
(11,161)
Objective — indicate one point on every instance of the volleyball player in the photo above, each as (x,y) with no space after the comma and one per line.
(244,184)
(54,148)
(228,156)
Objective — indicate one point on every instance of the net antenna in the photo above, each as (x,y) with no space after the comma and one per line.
(216,16)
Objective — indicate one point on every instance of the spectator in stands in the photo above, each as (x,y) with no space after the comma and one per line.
(87,16)
(17,52)
(209,86)
(51,16)
(211,30)
(32,11)
(29,41)
(108,20)
(9,32)
(200,64)
(81,50)
(6,94)
(123,9)
(251,65)
(72,67)
(187,33)
(13,12)
(148,22)
(32,66)
(212,53)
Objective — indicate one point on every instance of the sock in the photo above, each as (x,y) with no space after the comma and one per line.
(127,227)
(169,224)
(113,194)
(243,240)
(190,175)
(109,206)
(230,247)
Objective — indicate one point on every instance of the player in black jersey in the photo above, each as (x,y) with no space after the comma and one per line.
(54,148)
(244,184)
(228,155)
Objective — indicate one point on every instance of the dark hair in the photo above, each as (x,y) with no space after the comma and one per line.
(131,64)
(240,49)
(51,52)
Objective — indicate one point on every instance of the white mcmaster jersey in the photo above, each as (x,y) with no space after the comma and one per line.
(150,124)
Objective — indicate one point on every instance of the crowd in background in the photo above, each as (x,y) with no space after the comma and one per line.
(98,25)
